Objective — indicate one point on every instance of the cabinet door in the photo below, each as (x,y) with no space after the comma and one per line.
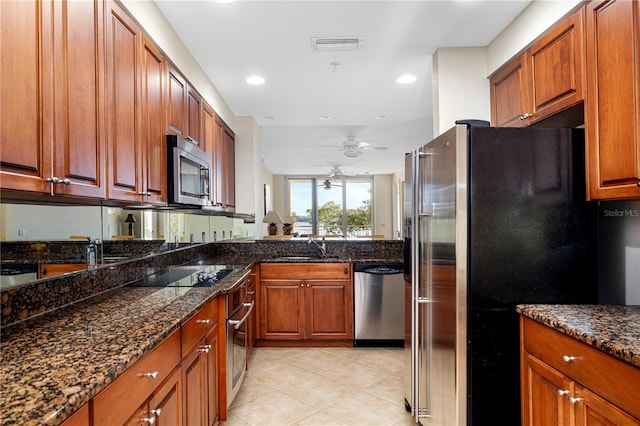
(79,124)
(194,382)
(612,113)
(509,100)
(165,405)
(123,39)
(229,170)
(177,103)
(555,69)
(592,410)
(79,418)
(545,394)
(194,113)
(152,135)
(329,309)
(282,309)
(25,105)
(212,343)
(217,160)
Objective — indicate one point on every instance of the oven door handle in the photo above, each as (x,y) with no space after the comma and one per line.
(238,323)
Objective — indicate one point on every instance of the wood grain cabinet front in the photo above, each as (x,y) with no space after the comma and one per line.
(612,113)
(53,100)
(306,301)
(119,402)
(566,382)
(544,80)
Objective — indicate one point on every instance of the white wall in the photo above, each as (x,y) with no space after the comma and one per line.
(460,86)
(248,176)
(155,24)
(533,21)
(383,205)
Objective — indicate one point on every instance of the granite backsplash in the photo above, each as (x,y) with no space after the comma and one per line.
(21,303)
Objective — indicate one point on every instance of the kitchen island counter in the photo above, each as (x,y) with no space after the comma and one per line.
(614,329)
(53,364)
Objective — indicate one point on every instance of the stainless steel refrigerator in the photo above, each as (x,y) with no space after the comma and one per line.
(494,217)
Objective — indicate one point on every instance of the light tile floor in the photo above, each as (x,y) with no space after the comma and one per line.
(322,386)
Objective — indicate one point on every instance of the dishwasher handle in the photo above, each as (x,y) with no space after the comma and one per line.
(379,269)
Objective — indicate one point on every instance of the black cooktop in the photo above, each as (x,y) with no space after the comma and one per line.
(185,276)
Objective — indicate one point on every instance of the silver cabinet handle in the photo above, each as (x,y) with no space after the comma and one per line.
(424,300)
(204,321)
(56,180)
(149,420)
(525,116)
(205,349)
(567,358)
(638,185)
(574,400)
(145,194)
(562,392)
(152,375)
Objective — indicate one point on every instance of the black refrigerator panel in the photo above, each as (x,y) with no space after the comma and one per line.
(532,235)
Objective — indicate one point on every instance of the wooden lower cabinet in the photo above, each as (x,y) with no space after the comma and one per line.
(311,301)
(588,388)
(177,383)
(79,418)
(123,399)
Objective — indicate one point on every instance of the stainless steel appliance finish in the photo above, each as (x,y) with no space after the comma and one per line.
(508,205)
(14,275)
(378,304)
(189,173)
(238,311)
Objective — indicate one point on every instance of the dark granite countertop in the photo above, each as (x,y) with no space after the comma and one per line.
(53,364)
(613,329)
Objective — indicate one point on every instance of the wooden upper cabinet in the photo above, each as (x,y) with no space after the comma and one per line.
(555,69)
(229,171)
(123,75)
(509,95)
(612,113)
(25,105)
(177,120)
(52,97)
(544,80)
(194,114)
(152,135)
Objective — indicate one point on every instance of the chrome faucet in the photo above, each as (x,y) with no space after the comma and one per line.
(322,247)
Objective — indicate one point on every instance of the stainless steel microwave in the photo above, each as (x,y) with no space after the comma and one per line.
(189,173)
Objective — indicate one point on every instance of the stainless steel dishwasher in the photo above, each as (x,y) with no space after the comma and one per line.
(378,304)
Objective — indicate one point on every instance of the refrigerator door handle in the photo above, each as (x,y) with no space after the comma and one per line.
(423,196)
(424,299)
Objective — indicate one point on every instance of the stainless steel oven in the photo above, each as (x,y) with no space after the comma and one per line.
(238,311)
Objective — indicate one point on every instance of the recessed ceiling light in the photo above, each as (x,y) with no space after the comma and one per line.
(325,117)
(255,80)
(269,117)
(223,1)
(380,117)
(406,79)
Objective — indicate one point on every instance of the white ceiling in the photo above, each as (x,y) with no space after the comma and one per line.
(273,39)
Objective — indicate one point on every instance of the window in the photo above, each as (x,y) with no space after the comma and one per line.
(330,206)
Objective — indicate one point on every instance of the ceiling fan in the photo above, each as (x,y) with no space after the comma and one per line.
(336,173)
(354,148)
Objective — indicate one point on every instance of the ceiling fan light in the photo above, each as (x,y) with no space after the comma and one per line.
(352,153)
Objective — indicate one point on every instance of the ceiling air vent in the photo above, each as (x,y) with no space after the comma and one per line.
(336,43)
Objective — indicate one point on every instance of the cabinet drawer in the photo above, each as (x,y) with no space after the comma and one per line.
(303,271)
(118,401)
(613,379)
(199,325)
